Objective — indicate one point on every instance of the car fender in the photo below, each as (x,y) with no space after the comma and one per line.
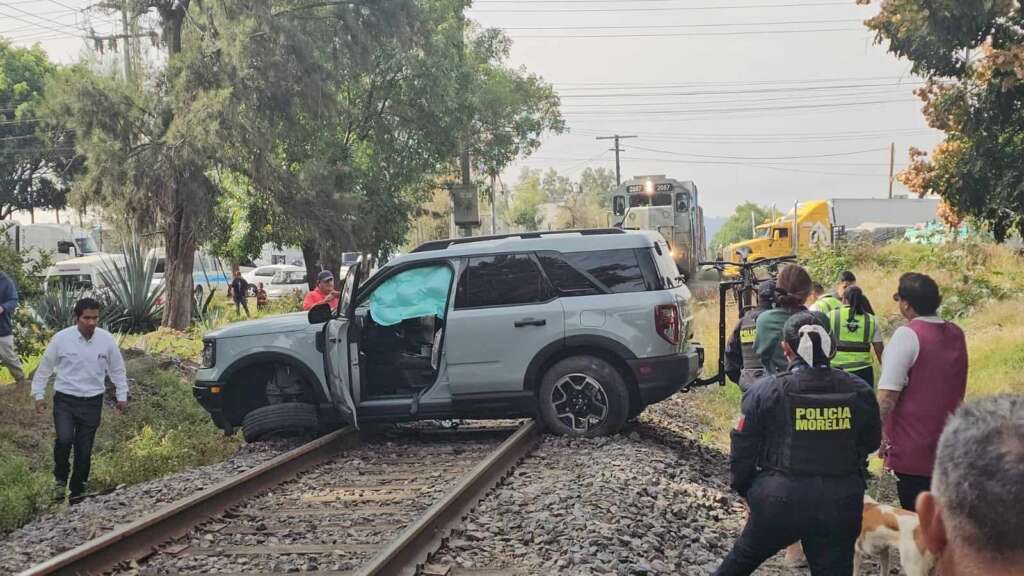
(274,356)
(578,341)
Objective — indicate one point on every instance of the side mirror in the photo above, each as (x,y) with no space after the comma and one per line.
(319,314)
(619,205)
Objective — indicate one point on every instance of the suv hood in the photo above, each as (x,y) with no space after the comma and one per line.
(273,325)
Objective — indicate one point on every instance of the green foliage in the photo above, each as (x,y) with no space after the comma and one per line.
(164,431)
(527,196)
(131,300)
(35,165)
(972,53)
(27,272)
(970,292)
(25,491)
(825,264)
(56,308)
(737,227)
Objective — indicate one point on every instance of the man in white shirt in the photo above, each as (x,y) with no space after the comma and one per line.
(83,356)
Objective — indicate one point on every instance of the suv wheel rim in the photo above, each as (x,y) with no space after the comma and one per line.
(580,402)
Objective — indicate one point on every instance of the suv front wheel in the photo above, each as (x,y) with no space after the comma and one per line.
(583,396)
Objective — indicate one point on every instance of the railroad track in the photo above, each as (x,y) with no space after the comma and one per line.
(346,504)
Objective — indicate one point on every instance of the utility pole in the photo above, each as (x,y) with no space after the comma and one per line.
(892,166)
(126,35)
(617,149)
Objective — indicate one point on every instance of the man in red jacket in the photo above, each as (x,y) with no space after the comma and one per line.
(923,381)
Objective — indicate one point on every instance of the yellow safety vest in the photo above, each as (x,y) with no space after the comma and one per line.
(828,303)
(853,339)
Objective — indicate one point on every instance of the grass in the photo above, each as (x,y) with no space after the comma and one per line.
(163,431)
(992,317)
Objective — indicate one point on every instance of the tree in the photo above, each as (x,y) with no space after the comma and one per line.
(598,184)
(737,227)
(239,77)
(513,108)
(527,196)
(972,54)
(36,165)
(557,188)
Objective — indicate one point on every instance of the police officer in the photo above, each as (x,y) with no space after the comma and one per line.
(742,364)
(856,332)
(799,454)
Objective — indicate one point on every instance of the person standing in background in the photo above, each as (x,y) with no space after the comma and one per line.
(743,365)
(924,379)
(83,356)
(239,289)
(261,297)
(856,332)
(834,301)
(8,304)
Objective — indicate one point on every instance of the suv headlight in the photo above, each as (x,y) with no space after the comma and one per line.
(209,353)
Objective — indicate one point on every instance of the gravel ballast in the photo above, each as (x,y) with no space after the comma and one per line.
(59,531)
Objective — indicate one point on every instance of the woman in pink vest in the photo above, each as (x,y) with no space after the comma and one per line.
(924,377)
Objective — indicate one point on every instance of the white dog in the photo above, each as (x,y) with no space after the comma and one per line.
(885,528)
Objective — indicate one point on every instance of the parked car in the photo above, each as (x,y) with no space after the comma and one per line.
(582,329)
(265,273)
(286,282)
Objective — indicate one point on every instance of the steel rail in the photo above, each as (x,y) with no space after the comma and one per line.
(404,555)
(141,538)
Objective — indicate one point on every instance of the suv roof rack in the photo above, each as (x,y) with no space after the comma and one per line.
(449,242)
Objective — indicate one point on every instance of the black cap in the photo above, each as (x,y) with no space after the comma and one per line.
(766,290)
(324,276)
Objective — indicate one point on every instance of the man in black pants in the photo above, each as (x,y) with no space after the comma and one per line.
(83,356)
(799,454)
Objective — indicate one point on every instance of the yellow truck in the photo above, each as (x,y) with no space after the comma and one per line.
(820,222)
(808,225)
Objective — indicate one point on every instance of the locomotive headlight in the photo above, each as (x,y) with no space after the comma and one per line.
(649,188)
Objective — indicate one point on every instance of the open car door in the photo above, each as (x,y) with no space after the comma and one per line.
(341,357)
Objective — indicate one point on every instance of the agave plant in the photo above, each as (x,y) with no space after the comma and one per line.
(55,308)
(132,301)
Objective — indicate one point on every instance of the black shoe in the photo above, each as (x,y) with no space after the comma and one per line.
(75,499)
(59,491)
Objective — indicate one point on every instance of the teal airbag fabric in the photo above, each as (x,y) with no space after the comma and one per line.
(411,294)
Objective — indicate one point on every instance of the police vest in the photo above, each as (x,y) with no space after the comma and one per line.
(853,336)
(828,303)
(819,431)
(748,333)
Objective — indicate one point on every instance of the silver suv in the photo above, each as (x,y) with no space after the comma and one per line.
(582,328)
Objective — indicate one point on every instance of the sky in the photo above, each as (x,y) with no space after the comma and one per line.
(772,101)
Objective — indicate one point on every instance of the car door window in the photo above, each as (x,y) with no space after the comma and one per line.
(566,279)
(500,280)
(618,270)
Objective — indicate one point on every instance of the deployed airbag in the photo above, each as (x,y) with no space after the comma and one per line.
(411,294)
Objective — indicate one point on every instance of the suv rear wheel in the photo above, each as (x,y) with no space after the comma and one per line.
(583,396)
(288,419)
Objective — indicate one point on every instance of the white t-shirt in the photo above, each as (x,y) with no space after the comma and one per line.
(900,355)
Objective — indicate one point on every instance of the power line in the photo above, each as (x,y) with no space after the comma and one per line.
(733,82)
(750,91)
(662,9)
(688,34)
(675,26)
(833,155)
(834,105)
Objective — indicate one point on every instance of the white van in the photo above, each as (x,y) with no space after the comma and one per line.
(208,272)
(83,273)
(62,241)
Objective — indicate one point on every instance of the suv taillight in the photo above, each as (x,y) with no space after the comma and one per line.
(666,322)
